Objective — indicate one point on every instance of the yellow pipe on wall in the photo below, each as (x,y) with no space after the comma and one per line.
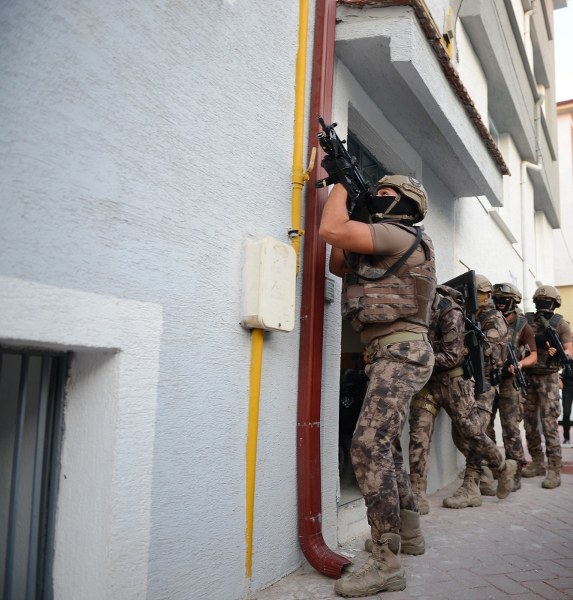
(299,177)
(257,335)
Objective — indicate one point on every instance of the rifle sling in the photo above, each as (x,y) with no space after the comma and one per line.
(393,268)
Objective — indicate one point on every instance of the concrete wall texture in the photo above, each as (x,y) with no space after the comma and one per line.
(142,144)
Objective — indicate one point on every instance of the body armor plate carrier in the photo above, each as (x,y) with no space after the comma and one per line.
(373,294)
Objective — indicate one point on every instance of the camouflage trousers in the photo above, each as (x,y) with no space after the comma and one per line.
(509,402)
(542,403)
(485,400)
(397,372)
(456,395)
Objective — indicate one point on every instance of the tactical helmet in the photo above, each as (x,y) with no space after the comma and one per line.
(409,188)
(548,291)
(483,284)
(507,290)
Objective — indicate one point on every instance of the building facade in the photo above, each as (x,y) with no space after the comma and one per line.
(152,445)
(563,238)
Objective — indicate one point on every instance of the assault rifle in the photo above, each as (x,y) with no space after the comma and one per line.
(554,341)
(519,382)
(475,339)
(351,177)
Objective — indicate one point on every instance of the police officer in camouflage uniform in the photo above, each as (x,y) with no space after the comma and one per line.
(388,267)
(542,400)
(449,388)
(509,400)
(495,330)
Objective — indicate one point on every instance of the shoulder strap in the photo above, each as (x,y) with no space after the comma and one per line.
(393,268)
(519,325)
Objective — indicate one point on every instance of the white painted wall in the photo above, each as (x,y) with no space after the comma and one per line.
(142,144)
(471,72)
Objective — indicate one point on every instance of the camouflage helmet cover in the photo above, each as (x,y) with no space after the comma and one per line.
(409,188)
(507,290)
(548,291)
(483,284)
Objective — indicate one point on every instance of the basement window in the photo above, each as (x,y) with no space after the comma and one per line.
(31,408)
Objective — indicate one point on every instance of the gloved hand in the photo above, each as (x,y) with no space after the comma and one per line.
(335,167)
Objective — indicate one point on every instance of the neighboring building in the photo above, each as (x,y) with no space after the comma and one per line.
(563,237)
(143,146)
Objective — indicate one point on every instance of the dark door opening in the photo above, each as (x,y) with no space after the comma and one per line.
(353,380)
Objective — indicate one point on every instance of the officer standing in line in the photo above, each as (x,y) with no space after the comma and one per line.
(495,329)
(389,283)
(449,388)
(509,400)
(542,400)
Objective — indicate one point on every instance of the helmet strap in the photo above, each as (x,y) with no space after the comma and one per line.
(397,199)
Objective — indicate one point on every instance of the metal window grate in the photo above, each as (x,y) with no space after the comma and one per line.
(31,415)
(371,168)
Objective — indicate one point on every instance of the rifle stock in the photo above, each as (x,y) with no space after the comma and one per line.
(474,338)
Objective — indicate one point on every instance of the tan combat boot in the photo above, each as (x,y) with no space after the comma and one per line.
(382,571)
(467,494)
(553,478)
(506,478)
(535,467)
(411,536)
(487,485)
(419,490)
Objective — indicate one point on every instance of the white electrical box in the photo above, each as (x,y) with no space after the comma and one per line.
(269,285)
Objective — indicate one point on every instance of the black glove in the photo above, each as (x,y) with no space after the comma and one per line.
(335,168)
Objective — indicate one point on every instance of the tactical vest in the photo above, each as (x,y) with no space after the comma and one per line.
(543,364)
(374,294)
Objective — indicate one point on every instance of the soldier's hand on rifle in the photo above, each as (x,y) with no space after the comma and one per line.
(550,350)
(511,369)
(335,168)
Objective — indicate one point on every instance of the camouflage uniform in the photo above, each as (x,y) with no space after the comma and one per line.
(401,361)
(387,296)
(496,332)
(448,388)
(397,372)
(509,401)
(542,399)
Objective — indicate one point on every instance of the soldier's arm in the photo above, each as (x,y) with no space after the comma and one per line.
(564,333)
(527,338)
(338,230)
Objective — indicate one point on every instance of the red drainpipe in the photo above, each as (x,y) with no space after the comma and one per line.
(318,554)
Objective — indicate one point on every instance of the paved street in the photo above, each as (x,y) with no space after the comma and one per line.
(520,548)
